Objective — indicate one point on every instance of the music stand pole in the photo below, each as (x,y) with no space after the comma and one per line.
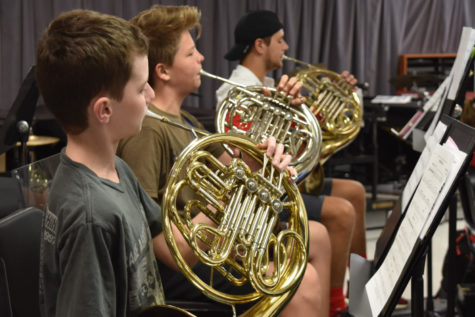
(417,288)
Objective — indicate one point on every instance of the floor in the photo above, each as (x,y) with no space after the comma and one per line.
(376,220)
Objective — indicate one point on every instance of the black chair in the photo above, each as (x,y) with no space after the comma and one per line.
(11,196)
(467,197)
(466,289)
(20,234)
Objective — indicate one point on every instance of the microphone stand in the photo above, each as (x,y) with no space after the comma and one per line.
(24,132)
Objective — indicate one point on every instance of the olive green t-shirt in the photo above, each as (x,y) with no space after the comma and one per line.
(153,151)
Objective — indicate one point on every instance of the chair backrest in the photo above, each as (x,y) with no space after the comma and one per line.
(467,198)
(5,305)
(20,234)
(11,196)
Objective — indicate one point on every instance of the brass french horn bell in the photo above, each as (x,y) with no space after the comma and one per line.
(240,239)
(247,110)
(337,107)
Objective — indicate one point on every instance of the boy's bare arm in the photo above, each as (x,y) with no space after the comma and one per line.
(162,252)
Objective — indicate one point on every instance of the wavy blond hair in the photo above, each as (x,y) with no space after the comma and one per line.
(163,25)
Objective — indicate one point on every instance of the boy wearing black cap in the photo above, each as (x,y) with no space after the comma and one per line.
(259,46)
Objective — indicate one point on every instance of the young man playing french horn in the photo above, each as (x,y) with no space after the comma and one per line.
(175,66)
(259,48)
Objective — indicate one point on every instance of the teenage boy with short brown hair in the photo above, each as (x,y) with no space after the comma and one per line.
(101,231)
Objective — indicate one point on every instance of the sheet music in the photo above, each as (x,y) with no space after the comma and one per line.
(440,106)
(421,165)
(383,282)
(391,99)
(458,157)
(467,41)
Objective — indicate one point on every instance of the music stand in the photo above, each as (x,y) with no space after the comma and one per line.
(20,116)
(449,105)
(464,137)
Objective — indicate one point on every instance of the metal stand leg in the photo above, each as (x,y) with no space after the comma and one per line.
(429,312)
(429,300)
(374,187)
(451,287)
(417,289)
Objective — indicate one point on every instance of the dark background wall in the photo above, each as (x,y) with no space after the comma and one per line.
(362,36)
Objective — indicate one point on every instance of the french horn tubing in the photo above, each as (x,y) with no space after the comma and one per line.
(247,110)
(242,240)
(332,100)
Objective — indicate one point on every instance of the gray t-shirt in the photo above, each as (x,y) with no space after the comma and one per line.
(96,249)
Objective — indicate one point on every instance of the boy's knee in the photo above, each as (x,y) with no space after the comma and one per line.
(358,188)
(346,209)
(340,212)
(319,236)
(355,191)
(347,215)
(309,289)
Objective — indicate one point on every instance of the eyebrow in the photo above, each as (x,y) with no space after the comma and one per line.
(191,47)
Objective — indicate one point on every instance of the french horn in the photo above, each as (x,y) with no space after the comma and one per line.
(332,100)
(247,110)
(241,239)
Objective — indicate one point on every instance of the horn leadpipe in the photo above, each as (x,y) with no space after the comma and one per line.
(297,61)
(258,96)
(176,124)
(227,81)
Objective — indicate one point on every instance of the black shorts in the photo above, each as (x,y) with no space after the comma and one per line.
(177,287)
(313,204)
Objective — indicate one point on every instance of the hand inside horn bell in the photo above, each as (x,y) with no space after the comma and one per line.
(350,79)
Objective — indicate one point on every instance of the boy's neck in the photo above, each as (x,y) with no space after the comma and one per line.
(168,100)
(255,65)
(95,152)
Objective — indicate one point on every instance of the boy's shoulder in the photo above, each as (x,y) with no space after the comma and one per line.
(191,119)
(77,192)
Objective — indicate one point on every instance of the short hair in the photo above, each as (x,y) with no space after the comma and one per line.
(81,54)
(163,25)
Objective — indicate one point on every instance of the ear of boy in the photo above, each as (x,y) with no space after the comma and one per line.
(102,109)
(260,46)
(162,72)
